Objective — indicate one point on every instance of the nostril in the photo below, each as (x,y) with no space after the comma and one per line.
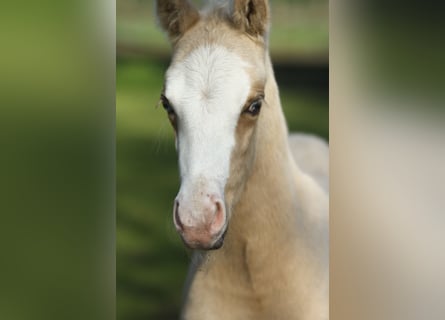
(178,222)
(219,218)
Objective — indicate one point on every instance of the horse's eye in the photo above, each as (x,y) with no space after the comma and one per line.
(166,104)
(254,108)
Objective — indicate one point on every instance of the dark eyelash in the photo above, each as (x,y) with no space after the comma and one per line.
(255,106)
(166,104)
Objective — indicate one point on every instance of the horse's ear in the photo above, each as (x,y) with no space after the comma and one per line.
(176,17)
(251,16)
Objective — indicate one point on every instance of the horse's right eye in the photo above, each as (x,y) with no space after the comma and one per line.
(166,104)
(254,108)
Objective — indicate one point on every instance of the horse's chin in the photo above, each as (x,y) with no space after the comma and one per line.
(207,247)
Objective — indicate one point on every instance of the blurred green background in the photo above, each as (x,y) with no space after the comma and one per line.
(151,260)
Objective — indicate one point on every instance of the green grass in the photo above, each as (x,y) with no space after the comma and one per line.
(151,260)
(306,111)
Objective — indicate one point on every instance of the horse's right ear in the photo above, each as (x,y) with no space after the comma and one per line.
(251,16)
(176,17)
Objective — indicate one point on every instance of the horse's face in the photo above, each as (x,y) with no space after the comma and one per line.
(214,92)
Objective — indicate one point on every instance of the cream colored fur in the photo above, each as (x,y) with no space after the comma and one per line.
(312,155)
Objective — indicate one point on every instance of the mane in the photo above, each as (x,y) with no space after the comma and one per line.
(218,8)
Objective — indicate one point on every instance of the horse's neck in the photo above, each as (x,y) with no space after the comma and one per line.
(268,204)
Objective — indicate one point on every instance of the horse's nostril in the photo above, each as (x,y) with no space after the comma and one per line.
(218,220)
(178,222)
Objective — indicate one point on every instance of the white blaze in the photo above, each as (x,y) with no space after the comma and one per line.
(207,90)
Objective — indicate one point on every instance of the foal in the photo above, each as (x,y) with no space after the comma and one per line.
(241,189)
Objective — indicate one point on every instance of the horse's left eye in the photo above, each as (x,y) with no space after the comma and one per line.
(254,108)
(166,104)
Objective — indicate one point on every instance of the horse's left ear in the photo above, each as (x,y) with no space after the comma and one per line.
(176,17)
(251,16)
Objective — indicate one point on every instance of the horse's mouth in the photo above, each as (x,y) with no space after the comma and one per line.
(218,244)
(200,246)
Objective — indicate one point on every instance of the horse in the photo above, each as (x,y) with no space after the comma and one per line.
(256,220)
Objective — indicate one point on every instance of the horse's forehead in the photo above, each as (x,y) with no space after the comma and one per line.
(210,75)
